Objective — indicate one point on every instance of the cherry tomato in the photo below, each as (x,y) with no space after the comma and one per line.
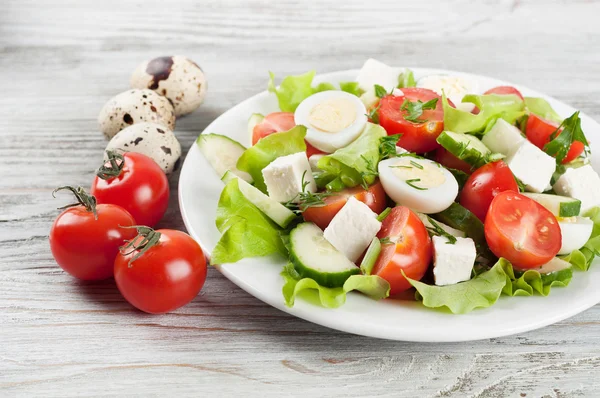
(521,230)
(503,90)
(374,197)
(136,183)
(539,132)
(445,158)
(484,184)
(410,250)
(277,122)
(417,137)
(85,245)
(168,274)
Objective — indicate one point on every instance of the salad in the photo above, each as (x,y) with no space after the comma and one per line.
(453,193)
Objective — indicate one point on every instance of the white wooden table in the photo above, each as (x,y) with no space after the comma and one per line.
(61,60)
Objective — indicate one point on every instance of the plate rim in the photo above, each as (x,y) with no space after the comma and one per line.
(301,310)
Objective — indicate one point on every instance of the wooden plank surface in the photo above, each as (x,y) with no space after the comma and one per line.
(61,60)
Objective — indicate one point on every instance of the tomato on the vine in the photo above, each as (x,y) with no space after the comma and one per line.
(160,271)
(85,238)
(134,182)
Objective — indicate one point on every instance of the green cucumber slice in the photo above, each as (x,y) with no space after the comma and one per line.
(462,219)
(222,153)
(253,120)
(314,257)
(277,212)
(371,256)
(468,148)
(560,206)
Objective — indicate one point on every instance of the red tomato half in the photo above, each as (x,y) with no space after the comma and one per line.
(165,277)
(484,184)
(277,122)
(374,197)
(141,188)
(539,132)
(416,137)
(445,158)
(521,230)
(503,90)
(410,251)
(86,247)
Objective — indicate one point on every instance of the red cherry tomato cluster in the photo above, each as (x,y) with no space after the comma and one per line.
(108,233)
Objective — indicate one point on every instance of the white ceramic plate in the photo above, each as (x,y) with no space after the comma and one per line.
(199,190)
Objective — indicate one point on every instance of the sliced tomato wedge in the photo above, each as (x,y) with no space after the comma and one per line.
(539,132)
(503,90)
(408,249)
(445,158)
(484,184)
(521,230)
(277,122)
(419,137)
(374,197)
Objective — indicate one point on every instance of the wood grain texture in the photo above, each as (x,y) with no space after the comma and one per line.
(61,60)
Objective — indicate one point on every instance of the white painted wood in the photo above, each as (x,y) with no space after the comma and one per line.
(59,62)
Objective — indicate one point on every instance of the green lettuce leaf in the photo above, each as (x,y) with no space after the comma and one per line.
(373,286)
(355,164)
(531,281)
(491,106)
(480,292)
(352,88)
(269,148)
(294,89)
(542,108)
(247,232)
(407,79)
(583,258)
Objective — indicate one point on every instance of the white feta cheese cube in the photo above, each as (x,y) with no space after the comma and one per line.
(374,72)
(503,138)
(532,166)
(448,229)
(285,175)
(352,229)
(582,183)
(452,263)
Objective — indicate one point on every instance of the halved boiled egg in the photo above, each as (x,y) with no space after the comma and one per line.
(420,184)
(455,88)
(333,119)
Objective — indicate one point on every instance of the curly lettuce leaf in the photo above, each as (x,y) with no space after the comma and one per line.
(531,281)
(247,232)
(492,106)
(372,286)
(294,89)
(542,108)
(407,79)
(354,164)
(480,292)
(583,258)
(269,148)
(352,88)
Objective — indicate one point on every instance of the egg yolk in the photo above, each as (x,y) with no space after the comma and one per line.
(332,115)
(420,174)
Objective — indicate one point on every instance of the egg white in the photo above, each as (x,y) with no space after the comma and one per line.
(431,200)
(574,233)
(331,141)
(455,88)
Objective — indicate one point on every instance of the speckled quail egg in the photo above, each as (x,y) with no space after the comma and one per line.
(177,78)
(151,139)
(135,106)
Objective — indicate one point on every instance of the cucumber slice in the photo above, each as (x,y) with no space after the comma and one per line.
(560,206)
(222,153)
(468,148)
(253,120)
(554,265)
(371,256)
(277,212)
(314,257)
(503,137)
(462,219)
